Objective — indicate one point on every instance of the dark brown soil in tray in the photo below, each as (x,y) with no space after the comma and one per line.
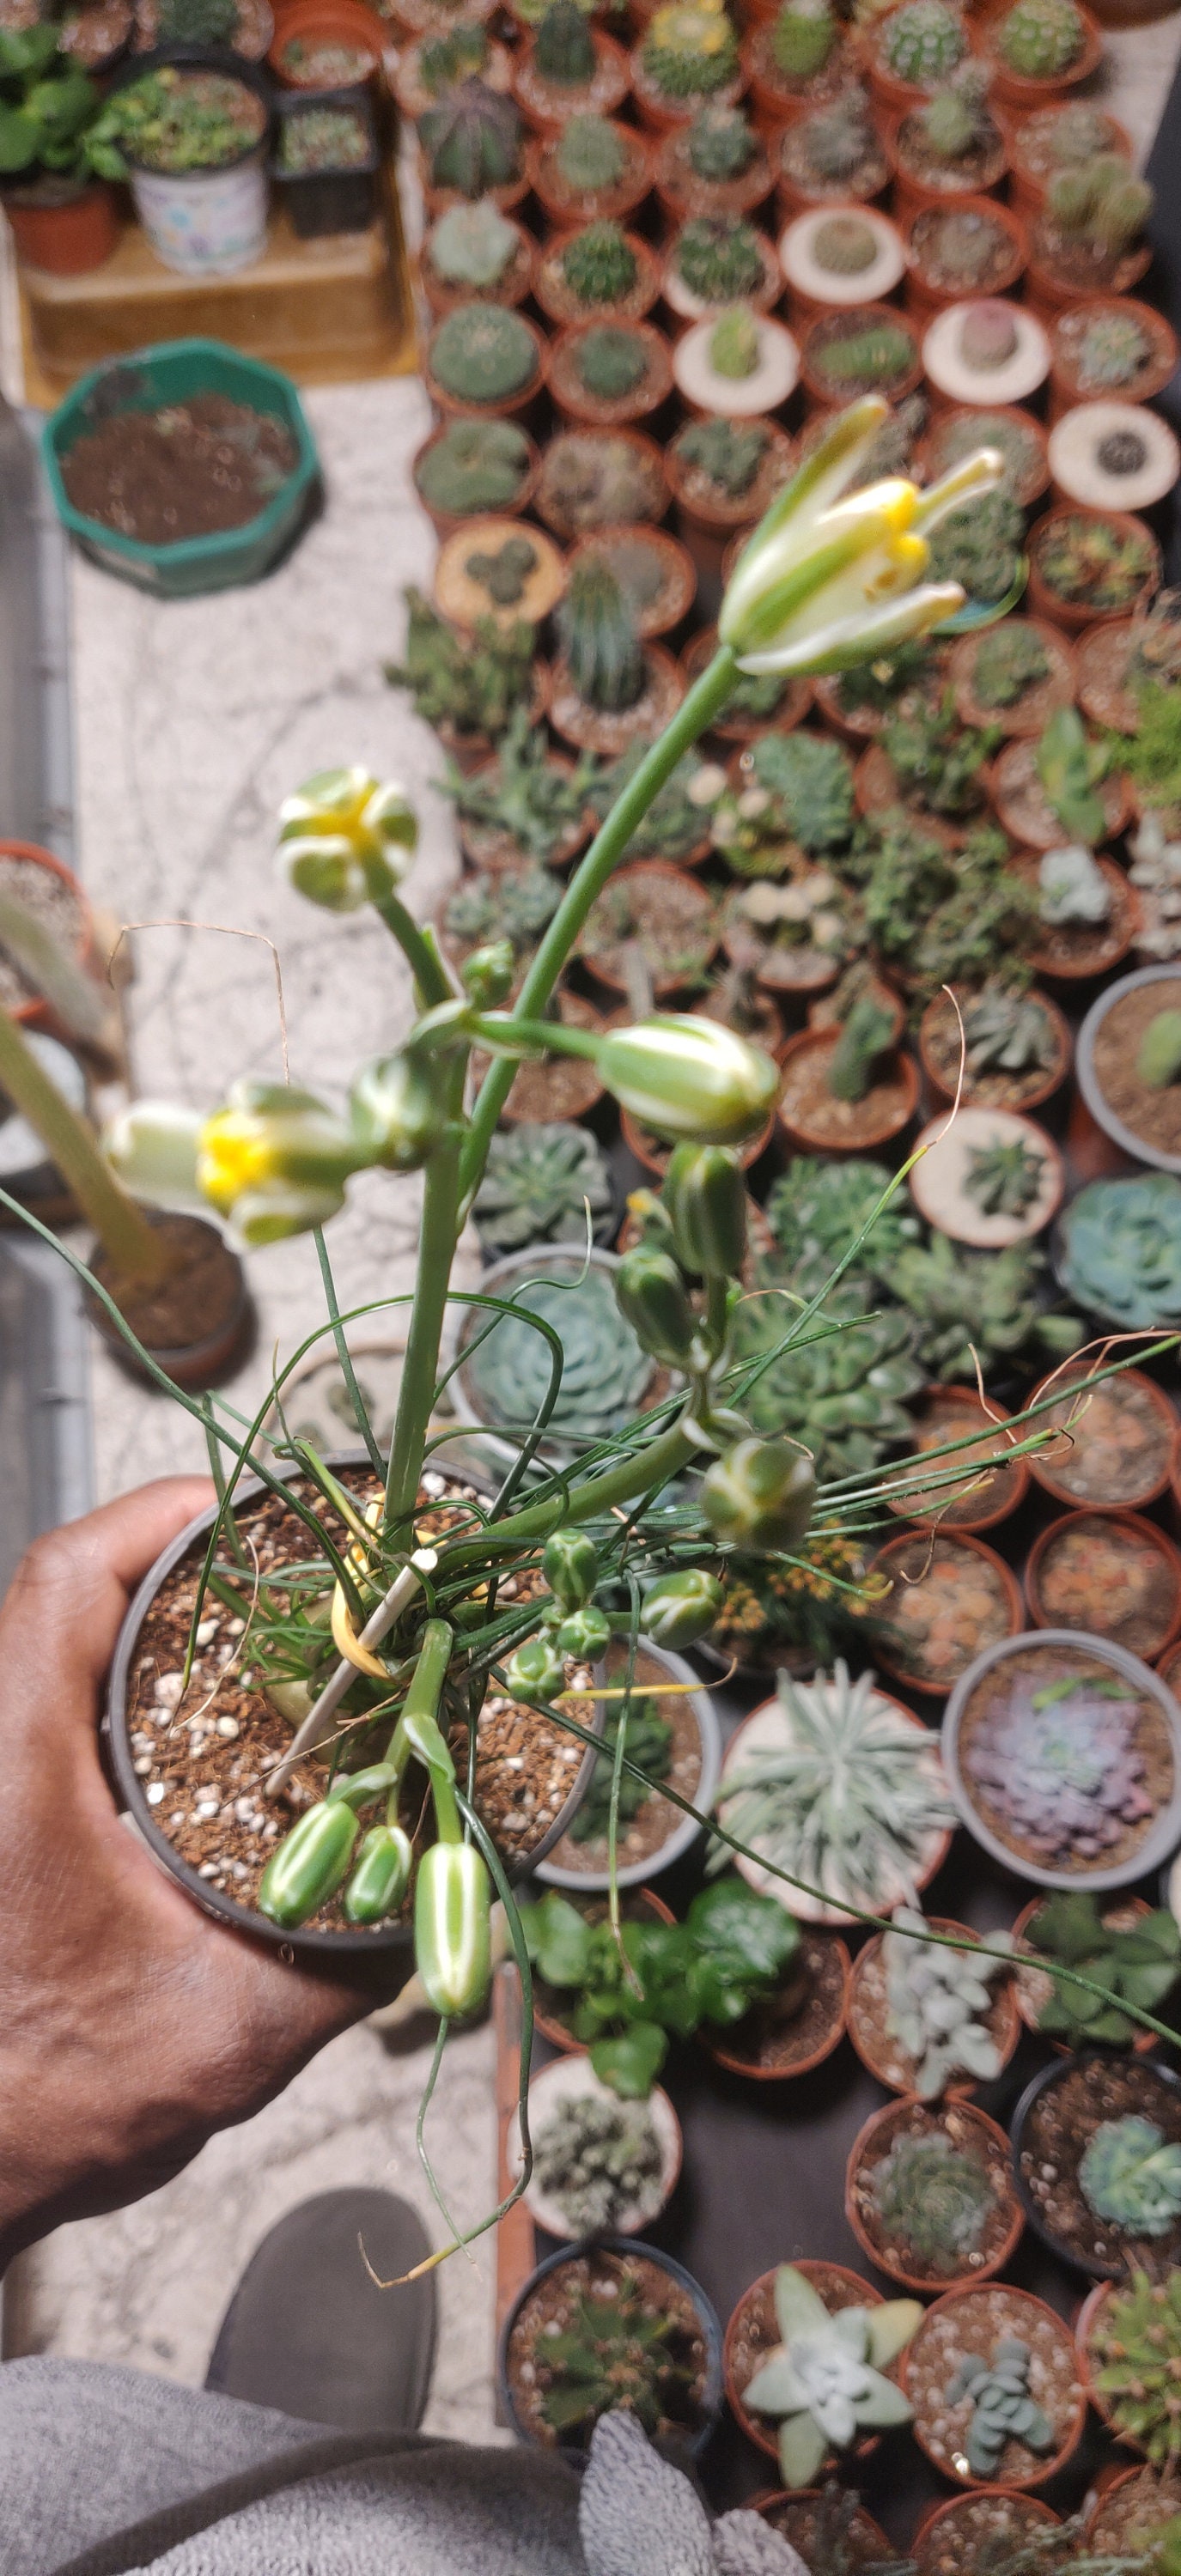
(666,917)
(788,2031)
(657,1819)
(203,1757)
(799,2518)
(1147,1756)
(191,469)
(1119,1443)
(975,2321)
(951,1606)
(1107,1577)
(1061,2123)
(868,2010)
(1143,2503)
(198,1301)
(52,901)
(550,2310)
(976,2524)
(1152,1111)
(971,2139)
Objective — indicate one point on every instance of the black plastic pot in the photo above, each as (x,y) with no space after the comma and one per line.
(327,201)
(1041,2083)
(355,1940)
(630,2249)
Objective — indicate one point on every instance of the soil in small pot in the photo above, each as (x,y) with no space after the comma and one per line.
(1014,676)
(1150,1108)
(810,1107)
(949,1602)
(561,1086)
(1112,348)
(653,917)
(1138,2503)
(972,2322)
(1060,2125)
(1120,1438)
(560,300)
(1066,1776)
(611,731)
(195,1306)
(834,154)
(990,1086)
(52,902)
(876,2043)
(972,2526)
(191,469)
(957,251)
(203,1754)
(979,166)
(1025,809)
(1111,1577)
(566,203)
(1076,267)
(800,2024)
(1077,949)
(653,571)
(1048,140)
(646,1833)
(986,1492)
(551,2309)
(741,498)
(1101,670)
(1092,564)
(93,35)
(971,2138)
(325,62)
(869,350)
(807,2520)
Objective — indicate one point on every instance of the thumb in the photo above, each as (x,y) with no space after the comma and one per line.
(70,1592)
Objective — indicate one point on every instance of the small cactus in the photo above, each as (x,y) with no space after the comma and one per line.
(727,452)
(956,120)
(483,353)
(598,636)
(506,574)
(1078,134)
(876,355)
(444,61)
(1101,209)
(472,140)
(611,363)
(1136,2339)
(863,1041)
(844,245)
(1111,352)
(590,155)
(924,42)
(718,257)
(1004,1179)
(690,49)
(721,144)
(1040,39)
(960,248)
(599,266)
(1159,1060)
(734,344)
(475,466)
(802,38)
(839,138)
(472,245)
(564,48)
(988,336)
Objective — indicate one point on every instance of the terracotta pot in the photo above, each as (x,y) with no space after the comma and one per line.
(1075,614)
(654,873)
(1100,669)
(816,1908)
(776,2507)
(1153,1484)
(838,2288)
(945,2518)
(490,853)
(883,1563)
(1091,953)
(531,1098)
(1031,713)
(589,730)
(1027,187)
(454,407)
(1008,1491)
(814,1943)
(1041,1088)
(1132,1522)
(635,1904)
(66,240)
(923,296)
(875,1129)
(876,787)
(1150,2080)
(1064,336)
(818,387)
(1121,1913)
(563,308)
(572,398)
(1016,795)
(559,205)
(912,191)
(737,728)
(414,18)
(682,194)
(968,2127)
(684,308)
(652,1151)
(1032,487)
(548,105)
(37,1013)
(512,288)
(778,98)
(463,601)
(1050,289)
(215,1349)
(343,22)
(980,2334)
(663,115)
(675,598)
(1014,89)
(439,201)
(646,452)
(1004,2023)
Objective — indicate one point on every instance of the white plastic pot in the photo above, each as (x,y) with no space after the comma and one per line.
(205,223)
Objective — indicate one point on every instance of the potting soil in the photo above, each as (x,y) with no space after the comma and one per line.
(192,469)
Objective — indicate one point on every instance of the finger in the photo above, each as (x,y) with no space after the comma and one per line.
(70,1592)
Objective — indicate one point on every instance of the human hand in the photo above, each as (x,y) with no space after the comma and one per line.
(131,2025)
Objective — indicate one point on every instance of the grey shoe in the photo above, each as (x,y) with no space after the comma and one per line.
(308,2332)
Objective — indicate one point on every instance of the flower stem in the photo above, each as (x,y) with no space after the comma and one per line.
(638,1472)
(136,1250)
(436,1252)
(418,947)
(705,699)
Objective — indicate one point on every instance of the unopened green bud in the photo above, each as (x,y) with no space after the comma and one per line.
(651,1292)
(381,1877)
(452,1928)
(706,1201)
(681,1608)
(309,1864)
(394,1111)
(688,1077)
(487,975)
(570,1566)
(536,1671)
(586,1634)
(760,1496)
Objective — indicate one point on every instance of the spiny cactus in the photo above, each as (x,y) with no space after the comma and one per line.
(1111,352)
(934,2200)
(1007,1033)
(1009,660)
(1094,565)
(810,778)
(590,155)
(1136,2339)
(506,574)
(718,258)
(615,2352)
(734,343)
(483,353)
(720,144)
(824,2384)
(1101,209)
(924,42)
(876,355)
(444,61)
(802,38)
(1004,1179)
(1002,2409)
(937,2004)
(599,266)
(839,138)
(690,49)
(1041,38)
(598,2160)
(472,245)
(864,1039)
(1078,134)
(476,466)
(980,545)
(728,453)
(988,336)
(956,120)
(597,631)
(1130,2175)
(594,480)
(564,48)
(472,140)
(611,363)
(962,247)
(844,245)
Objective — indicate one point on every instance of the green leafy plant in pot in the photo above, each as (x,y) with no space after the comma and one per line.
(50,156)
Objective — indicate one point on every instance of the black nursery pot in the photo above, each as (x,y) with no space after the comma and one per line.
(349,1940)
(1054,2074)
(631,2249)
(327,201)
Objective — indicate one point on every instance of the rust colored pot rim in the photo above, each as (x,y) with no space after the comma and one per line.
(1009,1585)
(1046,2469)
(1123,1518)
(881,2122)
(955,2093)
(758,2074)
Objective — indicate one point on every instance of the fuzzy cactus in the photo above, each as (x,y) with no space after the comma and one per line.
(591,154)
(472,245)
(1040,39)
(924,42)
(599,266)
(802,38)
(472,140)
(1111,352)
(483,353)
(597,629)
(864,1039)
(721,144)
(611,363)
(564,48)
(444,61)
(1079,134)
(844,245)
(839,138)
(635,2511)
(956,120)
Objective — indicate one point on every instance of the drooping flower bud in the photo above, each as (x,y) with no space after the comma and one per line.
(275,1161)
(680,1608)
(344,838)
(394,1110)
(487,975)
(688,1077)
(760,1496)
(452,1928)
(537,1671)
(586,1634)
(570,1566)
(651,1292)
(705,1197)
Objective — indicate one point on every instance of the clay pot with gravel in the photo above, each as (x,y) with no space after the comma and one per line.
(1116,1440)
(1110,346)
(1012,44)
(1023,807)
(990,1178)
(494,568)
(612,730)
(717,165)
(554,82)
(596,170)
(418,87)
(600,478)
(1013,676)
(475,253)
(1072,950)
(1067,2134)
(1088,565)
(801,2025)
(599,2163)
(962,2419)
(975,247)
(1035,1987)
(654,572)
(1014,1051)
(727,479)
(609,374)
(654,920)
(715,261)
(468,467)
(929,2195)
(735,366)
(1065,135)
(949,147)
(980,1485)
(782,89)
(601,274)
(951,1598)
(635,2283)
(815,2520)
(954,2537)
(836,154)
(886,2055)
(753,2334)
(1123,2504)
(1110,1574)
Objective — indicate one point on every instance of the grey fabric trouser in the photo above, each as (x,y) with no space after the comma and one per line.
(104,2471)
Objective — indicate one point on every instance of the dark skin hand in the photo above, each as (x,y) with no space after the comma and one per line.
(131,2025)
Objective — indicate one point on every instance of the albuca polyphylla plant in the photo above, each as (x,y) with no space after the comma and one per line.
(418,1633)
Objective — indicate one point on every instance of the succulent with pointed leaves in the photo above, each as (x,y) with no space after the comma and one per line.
(1130,2176)
(843,1393)
(539,1182)
(616,2351)
(937,2006)
(864,1039)
(1136,2340)
(973,1307)
(1002,2409)
(824,2384)
(1004,1178)
(473,685)
(1007,1032)
(516,906)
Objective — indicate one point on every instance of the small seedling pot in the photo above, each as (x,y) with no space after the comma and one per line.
(818,1953)
(662,115)
(1020,89)
(969,2130)
(64,233)
(888,1562)
(912,190)
(1046,2081)
(36,1013)
(1066,332)
(630,2250)
(212,222)
(601,411)
(1031,483)
(786,2508)
(938,1186)
(1027,1982)
(754,2317)
(1076,955)
(670,605)
(994,1501)
(445,522)
(1048,1465)
(1026,813)
(1031,713)
(819,387)
(511,287)
(571,2079)
(924,295)
(885,2058)
(219,1308)
(1165,1623)
(992,2311)
(871,1123)
(657,880)
(562,207)
(939,1020)
(507,406)
(328,201)
(547,105)
(681,193)
(563,308)
(941,2526)
(1029,170)
(685,306)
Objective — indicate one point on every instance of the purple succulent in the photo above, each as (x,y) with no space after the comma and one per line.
(1062,1767)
